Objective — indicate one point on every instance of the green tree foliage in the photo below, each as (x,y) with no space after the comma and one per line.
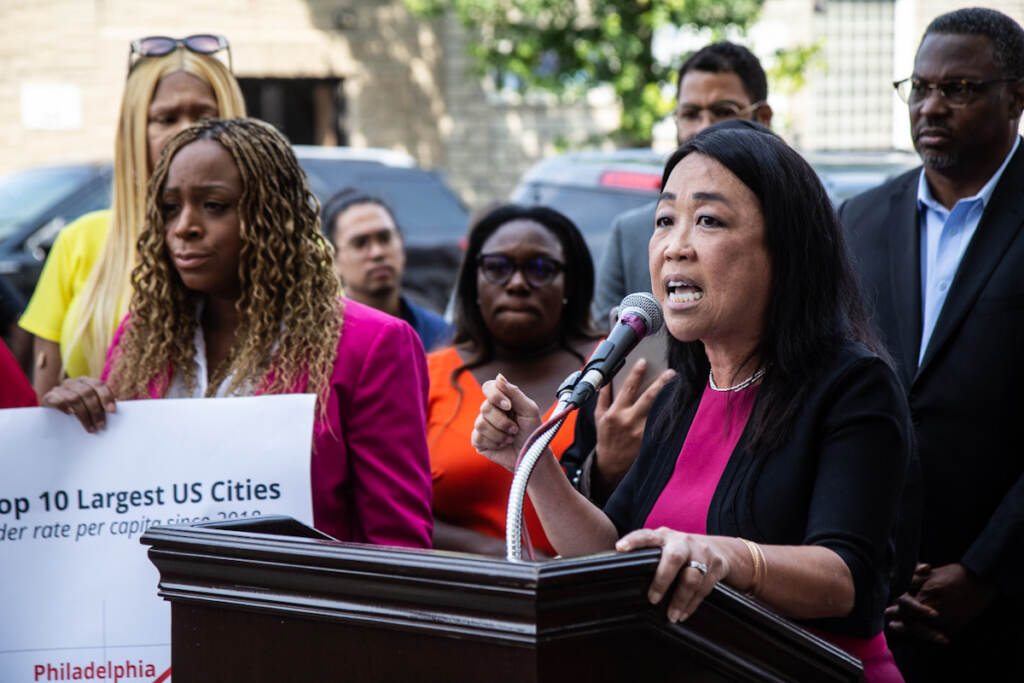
(569,46)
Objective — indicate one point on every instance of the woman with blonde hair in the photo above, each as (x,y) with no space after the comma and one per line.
(84,288)
(235,294)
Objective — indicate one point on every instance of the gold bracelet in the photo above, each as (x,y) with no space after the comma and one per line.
(760,566)
(764,565)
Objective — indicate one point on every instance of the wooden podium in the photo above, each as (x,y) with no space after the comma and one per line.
(272,600)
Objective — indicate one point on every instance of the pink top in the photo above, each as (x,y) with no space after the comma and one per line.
(684,502)
(717,426)
(370,469)
(873,653)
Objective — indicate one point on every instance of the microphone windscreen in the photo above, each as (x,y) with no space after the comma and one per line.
(644,305)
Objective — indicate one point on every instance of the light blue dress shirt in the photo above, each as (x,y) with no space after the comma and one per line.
(945,235)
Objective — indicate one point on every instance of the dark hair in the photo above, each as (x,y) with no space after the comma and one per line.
(579,281)
(726,57)
(1006,35)
(345,199)
(818,305)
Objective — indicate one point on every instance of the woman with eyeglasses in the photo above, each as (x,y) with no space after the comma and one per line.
(522,305)
(84,289)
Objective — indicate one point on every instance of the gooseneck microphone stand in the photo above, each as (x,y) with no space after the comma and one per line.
(533,449)
(639,315)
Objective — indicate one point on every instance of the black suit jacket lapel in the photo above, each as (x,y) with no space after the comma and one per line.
(998,227)
(905,271)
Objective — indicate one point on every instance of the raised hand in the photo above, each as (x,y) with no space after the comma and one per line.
(507,417)
(620,423)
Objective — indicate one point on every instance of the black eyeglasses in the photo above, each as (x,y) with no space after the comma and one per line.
(158,46)
(498,269)
(957,93)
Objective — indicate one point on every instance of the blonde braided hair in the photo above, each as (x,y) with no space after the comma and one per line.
(290,311)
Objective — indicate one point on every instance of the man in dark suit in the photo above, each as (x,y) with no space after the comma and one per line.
(940,251)
(720,81)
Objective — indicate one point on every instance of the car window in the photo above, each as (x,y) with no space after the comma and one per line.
(93,196)
(425,208)
(23,194)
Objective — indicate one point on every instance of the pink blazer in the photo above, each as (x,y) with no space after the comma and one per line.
(370,467)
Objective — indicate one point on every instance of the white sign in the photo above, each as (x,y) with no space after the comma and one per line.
(77,590)
(51,106)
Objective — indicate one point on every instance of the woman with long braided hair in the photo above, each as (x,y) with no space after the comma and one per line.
(234,294)
(84,289)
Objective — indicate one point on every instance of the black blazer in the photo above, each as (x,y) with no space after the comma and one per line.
(965,397)
(836,482)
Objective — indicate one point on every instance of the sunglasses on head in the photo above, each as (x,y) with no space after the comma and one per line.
(158,46)
(498,269)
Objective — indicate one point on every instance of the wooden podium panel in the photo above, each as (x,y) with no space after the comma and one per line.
(251,606)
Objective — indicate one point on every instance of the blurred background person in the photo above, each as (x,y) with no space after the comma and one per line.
(83,291)
(522,308)
(369,259)
(721,81)
(216,311)
(775,462)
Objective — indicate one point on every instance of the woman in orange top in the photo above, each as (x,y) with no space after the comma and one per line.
(522,309)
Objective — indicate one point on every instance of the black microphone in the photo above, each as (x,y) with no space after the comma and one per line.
(639,316)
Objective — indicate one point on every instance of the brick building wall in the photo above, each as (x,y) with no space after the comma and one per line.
(492,137)
(405,82)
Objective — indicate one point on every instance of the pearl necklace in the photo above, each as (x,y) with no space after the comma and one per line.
(735,387)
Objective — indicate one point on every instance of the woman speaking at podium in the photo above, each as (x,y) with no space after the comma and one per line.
(775,461)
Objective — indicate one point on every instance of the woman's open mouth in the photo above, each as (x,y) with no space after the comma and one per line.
(683,291)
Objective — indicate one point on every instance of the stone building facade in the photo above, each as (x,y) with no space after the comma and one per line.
(369,74)
(375,75)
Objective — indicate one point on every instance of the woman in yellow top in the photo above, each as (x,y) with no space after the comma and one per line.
(84,288)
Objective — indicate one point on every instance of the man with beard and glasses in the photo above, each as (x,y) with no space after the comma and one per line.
(370,259)
(940,252)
